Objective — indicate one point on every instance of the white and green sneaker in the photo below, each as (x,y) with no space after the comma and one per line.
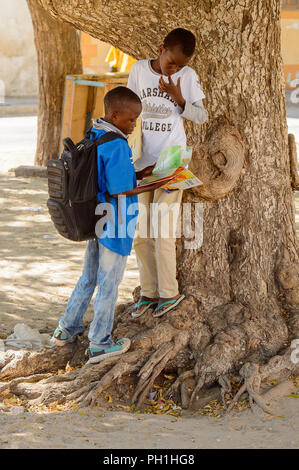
(61,337)
(97,355)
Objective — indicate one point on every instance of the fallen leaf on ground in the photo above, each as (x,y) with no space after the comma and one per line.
(109,398)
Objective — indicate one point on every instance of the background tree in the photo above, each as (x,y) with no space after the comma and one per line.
(58,54)
(241,286)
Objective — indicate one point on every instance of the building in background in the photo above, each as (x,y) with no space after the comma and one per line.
(18,62)
(94,53)
(99,57)
(290,48)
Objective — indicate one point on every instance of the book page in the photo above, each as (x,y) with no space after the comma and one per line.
(173,157)
(183,180)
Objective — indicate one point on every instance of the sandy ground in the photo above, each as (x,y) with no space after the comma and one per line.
(38,270)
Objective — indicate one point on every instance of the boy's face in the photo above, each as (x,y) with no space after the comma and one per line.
(125,120)
(172,60)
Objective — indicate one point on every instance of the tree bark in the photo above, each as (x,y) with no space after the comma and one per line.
(58,53)
(241,285)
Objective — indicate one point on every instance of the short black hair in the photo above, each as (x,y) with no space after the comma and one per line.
(118,97)
(183,38)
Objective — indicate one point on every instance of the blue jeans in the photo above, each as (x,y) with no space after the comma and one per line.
(105,269)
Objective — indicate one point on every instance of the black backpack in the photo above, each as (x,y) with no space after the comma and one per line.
(73,187)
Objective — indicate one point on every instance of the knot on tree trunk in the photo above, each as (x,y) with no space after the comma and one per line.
(219,160)
(288,279)
(287,276)
(293,162)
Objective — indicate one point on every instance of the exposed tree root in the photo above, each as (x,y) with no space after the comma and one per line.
(149,373)
(156,364)
(281,390)
(75,385)
(199,385)
(277,368)
(179,387)
(224,340)
(127,364)
(11,386)
(226,387)
(28,362)
(252,384)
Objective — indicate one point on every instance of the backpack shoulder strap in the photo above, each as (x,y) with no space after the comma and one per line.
(108,137)
(69,145)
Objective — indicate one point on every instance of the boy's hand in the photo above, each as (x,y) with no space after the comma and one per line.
(148,170)
(155,186)
(145,172)
(173,90)
(140,189)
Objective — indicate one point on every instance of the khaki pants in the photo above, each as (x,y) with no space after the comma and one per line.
(154,243)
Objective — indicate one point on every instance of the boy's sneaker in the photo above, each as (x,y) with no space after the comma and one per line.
(60,337)
(97,355)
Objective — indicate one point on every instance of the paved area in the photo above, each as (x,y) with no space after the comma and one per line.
(19,106)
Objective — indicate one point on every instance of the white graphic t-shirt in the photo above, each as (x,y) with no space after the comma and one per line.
(162,124)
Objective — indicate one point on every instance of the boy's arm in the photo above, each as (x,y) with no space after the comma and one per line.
(132,80)
(145,172)
(195,112)
(114,164)
(139,189)
(116,159)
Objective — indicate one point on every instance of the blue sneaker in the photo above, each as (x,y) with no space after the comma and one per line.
(97,355)
(61,337)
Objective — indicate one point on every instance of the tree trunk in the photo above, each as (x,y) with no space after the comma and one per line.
(241,286)
(58,53)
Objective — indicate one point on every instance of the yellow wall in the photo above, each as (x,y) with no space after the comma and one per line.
(98,56)
(290,45)
(94,53)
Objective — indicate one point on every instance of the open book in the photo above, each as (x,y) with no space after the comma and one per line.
(172,167)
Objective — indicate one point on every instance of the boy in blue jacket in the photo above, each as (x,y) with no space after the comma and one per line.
(106,256)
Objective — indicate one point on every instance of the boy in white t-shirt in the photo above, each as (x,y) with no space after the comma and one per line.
(169,91)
